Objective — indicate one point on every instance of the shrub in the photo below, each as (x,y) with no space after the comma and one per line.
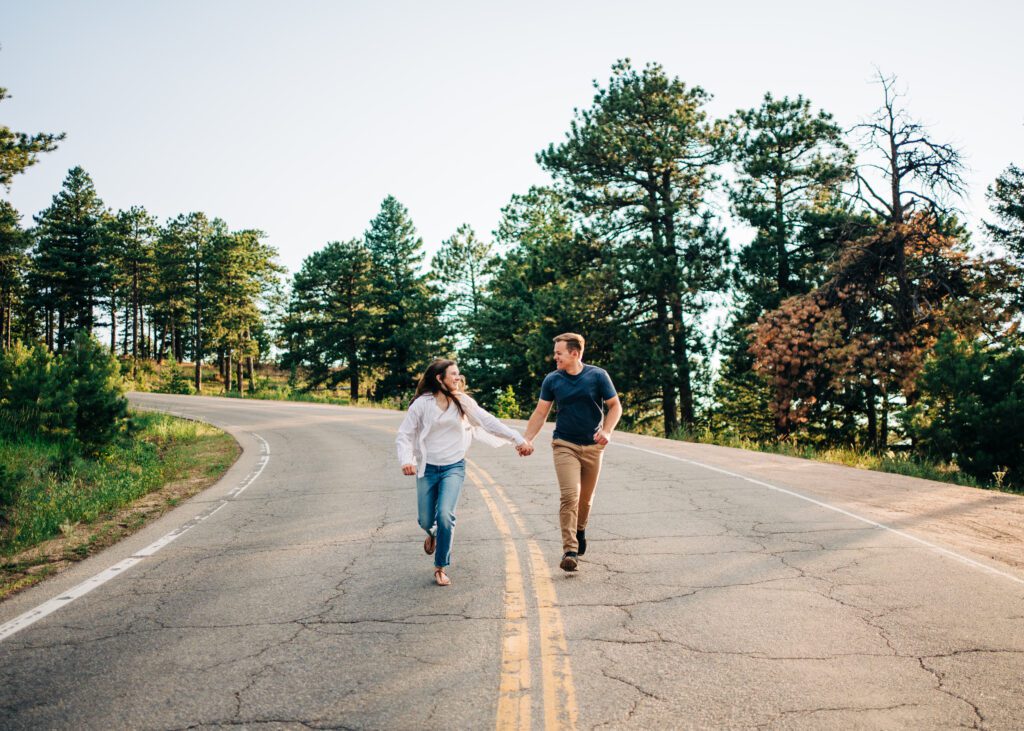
(174,381)
(35,397)
(506,406)
(971,409)
(75,398)
(94,377)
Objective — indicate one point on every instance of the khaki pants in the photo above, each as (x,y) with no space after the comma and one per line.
(577,467)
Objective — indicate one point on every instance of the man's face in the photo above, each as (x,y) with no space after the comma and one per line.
(565,358)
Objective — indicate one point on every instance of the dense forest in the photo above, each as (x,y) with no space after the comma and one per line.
(859,311)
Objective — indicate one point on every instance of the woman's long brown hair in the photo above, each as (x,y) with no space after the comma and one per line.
(431,382)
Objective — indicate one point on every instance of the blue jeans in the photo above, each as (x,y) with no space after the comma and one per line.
(437,494)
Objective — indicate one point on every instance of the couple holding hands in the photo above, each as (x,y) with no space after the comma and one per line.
(443,420)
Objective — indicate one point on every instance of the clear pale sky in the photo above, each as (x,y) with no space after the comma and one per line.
(298,118)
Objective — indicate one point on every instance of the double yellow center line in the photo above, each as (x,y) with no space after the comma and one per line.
(515,688)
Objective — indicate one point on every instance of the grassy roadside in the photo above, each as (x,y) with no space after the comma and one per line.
(69,508)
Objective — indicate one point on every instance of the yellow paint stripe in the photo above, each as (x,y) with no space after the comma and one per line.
(514,685)
(513,509)
(560,711)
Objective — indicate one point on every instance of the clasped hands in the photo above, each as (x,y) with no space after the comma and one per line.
(525,449)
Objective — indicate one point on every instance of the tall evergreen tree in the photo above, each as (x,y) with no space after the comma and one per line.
(240,268)
(790,164)
(172,289)
(639,163)
(14,243)
(198,239)
(132,240)
(1006,199)
(68,265)
(330,315)
(462,266)
(408,332)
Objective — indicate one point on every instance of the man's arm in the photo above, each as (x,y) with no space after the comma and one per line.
(611,418)
(537,419)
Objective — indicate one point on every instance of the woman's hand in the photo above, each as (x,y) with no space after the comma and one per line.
(408,469)
(525,449)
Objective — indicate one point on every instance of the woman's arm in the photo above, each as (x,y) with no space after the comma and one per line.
(490,423)
(407,437)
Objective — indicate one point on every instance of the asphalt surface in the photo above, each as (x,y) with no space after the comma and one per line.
(298,595)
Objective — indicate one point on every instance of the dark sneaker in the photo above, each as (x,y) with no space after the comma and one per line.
(569,562)
(582,540)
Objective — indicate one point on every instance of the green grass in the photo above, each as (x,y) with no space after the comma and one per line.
(55,489)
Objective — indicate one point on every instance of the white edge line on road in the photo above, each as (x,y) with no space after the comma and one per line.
(934,547)
(49,607)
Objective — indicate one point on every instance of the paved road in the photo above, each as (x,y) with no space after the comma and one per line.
(298,595)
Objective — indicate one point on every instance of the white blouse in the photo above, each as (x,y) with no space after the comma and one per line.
(446,442)
(424,416)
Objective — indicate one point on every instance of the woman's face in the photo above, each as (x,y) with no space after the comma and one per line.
(452,378)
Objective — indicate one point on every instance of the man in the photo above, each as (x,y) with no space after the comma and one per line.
(582,430)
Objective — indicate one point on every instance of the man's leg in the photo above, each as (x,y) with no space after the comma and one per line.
(567,469)
(590,470)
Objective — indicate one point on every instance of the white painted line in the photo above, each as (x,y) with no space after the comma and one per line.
(49,607)
(908,536)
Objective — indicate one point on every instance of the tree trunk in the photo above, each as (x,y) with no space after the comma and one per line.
(353,377)
(4,324)
(780,243)
(682,364)
(113,326)
(872,439)
(663,361)
(238,374)
(61,335)
(673,288)
(883,431)
(227,372)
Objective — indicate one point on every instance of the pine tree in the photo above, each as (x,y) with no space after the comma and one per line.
(408,332)
(132,241)
(330,315)
(14,243)
(68,269)
(172,289)
(240,270)
(1006,198)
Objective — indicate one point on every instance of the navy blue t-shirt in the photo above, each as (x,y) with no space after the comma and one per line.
(579,400)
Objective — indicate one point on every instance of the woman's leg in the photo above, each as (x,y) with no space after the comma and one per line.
(449,488)
(426,498)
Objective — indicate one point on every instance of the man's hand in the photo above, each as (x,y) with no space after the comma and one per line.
(408,469)
(525,449)
(602,437)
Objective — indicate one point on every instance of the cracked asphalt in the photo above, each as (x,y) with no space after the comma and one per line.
(704,600)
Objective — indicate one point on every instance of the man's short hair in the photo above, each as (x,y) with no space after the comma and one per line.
(573,341)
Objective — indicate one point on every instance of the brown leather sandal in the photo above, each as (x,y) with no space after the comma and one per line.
(441,577)
(429,543)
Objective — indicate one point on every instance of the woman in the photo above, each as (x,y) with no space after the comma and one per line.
(432,442)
